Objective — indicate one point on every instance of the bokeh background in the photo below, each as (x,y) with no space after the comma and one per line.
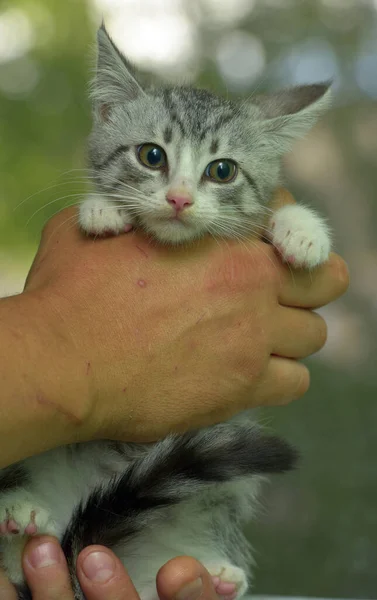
(317,534)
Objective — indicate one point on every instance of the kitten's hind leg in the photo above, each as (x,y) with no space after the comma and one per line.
(22,515)
(230,582)
(100,216)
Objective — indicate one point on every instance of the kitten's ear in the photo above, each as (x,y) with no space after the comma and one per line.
(115,80)
(290,114)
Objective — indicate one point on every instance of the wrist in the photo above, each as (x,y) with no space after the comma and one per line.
(45,401)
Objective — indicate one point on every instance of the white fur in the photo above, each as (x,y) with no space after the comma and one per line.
(301,236)
(59,480)
(99,215)
(62,478)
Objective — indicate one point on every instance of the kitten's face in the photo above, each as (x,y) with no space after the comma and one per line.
(183,161)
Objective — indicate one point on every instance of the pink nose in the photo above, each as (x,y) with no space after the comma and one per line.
(179,202)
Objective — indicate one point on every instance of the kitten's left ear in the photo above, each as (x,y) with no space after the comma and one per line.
(115,80)
(290,114)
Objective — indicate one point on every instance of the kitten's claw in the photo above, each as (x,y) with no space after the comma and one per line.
(101,217)
(300,236)
(229,582)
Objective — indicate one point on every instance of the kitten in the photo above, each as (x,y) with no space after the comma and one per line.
(182,162)
(178,163)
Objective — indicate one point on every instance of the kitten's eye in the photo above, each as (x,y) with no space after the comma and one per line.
(152,156)
(222,171)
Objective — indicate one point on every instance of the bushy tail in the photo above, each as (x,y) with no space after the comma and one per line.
(172,471)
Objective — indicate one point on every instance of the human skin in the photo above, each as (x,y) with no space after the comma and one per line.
(123,339)
(102,576)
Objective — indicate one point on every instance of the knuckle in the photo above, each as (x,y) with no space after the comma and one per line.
(46,229)
(321,332)
(245,265)
(340,273)
(303,383)
(55,222)
(282,197)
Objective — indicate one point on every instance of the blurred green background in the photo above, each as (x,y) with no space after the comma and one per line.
(317,534)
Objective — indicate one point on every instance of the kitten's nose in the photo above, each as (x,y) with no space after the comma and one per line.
(179,200)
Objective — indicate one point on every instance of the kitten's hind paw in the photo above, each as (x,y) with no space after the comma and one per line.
(230,582)
(23,519)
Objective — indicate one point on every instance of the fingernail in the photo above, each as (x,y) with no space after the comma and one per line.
(44,555)
(99,566)
(191,591)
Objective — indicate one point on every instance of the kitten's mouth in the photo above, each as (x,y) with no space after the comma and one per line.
(176,219)
(172,229)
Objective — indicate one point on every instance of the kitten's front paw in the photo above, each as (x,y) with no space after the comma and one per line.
(230,582)
(102,217)
(300,236)
(24,518)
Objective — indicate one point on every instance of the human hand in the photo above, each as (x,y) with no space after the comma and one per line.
(102,576)
(145,339)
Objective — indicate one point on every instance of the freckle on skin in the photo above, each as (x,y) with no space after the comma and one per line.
(124,389)
(141,283)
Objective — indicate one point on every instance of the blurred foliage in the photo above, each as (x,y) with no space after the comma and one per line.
(43,132)
(317,534)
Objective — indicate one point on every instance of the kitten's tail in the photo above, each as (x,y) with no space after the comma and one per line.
(172,470)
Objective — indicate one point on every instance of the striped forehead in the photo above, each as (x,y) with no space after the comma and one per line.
(196,115)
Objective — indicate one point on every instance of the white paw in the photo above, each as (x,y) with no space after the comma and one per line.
(300,236)
(20,517)
(230,582)
(99,216)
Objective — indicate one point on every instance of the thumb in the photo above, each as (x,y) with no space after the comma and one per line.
(281,198)
(184,578)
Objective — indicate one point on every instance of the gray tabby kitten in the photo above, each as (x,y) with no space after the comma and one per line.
(179,163)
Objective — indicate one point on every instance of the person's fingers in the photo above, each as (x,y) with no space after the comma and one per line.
(46,570)
(184,578)
(313,289)
(300,332)
(102,576)
(7,590)
(285,380)
(280,198)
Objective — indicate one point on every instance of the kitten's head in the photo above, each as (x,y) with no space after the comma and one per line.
(184,161)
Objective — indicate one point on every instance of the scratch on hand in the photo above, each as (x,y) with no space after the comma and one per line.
(63,411)
(142,251)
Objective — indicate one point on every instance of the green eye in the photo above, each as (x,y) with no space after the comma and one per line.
(221,171)
(152,156)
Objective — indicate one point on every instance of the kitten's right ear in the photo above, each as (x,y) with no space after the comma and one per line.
(115,81)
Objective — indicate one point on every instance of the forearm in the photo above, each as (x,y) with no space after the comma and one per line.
(37,411)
